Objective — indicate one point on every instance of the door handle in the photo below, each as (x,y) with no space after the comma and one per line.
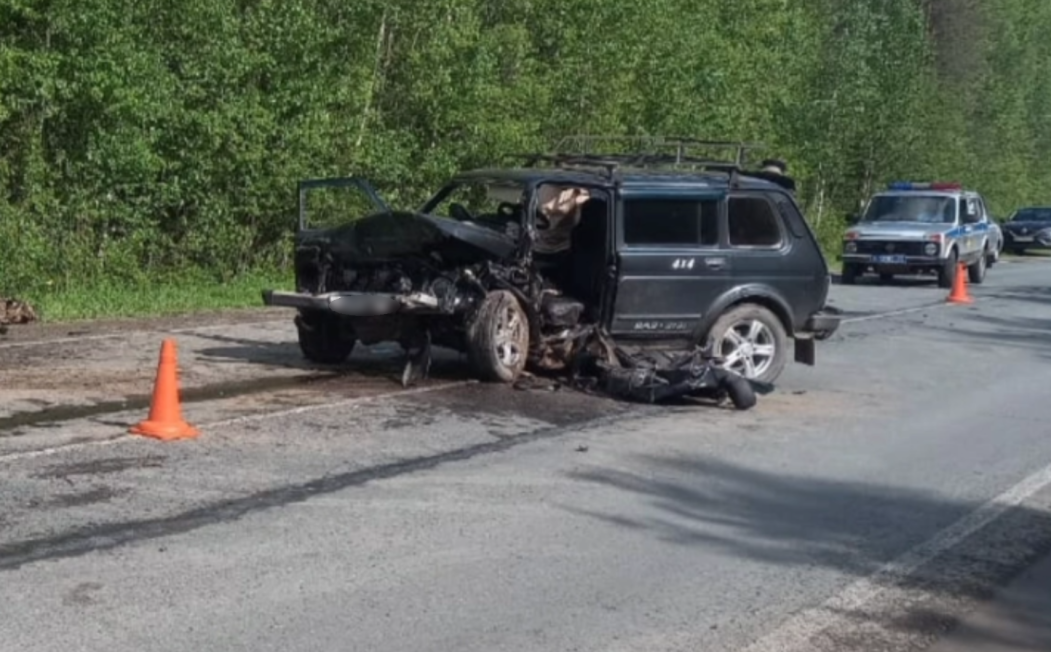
(715,263)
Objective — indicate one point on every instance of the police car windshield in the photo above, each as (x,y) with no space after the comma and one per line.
(1032,215)
(928,209)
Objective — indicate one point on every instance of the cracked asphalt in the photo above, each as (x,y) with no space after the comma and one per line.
(865,505)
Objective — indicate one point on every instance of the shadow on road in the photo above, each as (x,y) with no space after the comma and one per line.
(800,521)
(378,362)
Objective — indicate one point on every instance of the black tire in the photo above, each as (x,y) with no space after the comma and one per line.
(886,278)
(947,273)
(740,392)
(498,338)
(850,274)
(976,271)
(746,314)
(323,338)
(993,256)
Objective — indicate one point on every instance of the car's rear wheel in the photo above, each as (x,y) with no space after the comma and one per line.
(993,255)
(498,338)
(976,271)
(751,341)
(323,338)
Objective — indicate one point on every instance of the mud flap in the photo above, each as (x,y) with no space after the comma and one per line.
(805,350)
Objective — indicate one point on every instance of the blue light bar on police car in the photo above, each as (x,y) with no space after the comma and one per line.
(912,185)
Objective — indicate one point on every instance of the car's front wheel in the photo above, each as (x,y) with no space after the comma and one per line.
(947,273)
(751,341)
(850,273)
(498,338)
(323,338)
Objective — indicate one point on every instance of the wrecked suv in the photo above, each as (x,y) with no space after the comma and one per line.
(520,267)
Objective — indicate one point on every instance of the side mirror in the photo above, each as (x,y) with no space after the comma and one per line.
(853,218)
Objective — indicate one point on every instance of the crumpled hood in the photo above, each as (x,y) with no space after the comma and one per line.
(383,237)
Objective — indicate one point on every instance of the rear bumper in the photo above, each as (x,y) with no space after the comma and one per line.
(821,325)
(354,304)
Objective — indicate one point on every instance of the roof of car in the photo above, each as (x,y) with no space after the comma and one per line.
(625,177)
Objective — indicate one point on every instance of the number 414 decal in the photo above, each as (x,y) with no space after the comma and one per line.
(682,263)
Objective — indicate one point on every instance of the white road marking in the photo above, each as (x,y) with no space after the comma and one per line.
(793,635)
(23,455)
(128,333)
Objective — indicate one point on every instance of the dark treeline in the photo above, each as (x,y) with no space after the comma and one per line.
(142,139)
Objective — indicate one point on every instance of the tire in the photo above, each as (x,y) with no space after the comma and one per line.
(323,338)
(976,271)
(947,273)
(886,278)
(994,256)
(752,325)
(740,392)
(849,275)
(498,338)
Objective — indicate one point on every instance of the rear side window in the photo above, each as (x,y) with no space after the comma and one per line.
(753,222)
(671,222)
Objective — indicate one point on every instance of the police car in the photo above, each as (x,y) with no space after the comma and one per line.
(921,228)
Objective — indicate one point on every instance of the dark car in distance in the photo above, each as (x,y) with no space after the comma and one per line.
(669,251)
(1028,228)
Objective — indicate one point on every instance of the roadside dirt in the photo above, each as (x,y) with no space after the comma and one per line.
(41,331)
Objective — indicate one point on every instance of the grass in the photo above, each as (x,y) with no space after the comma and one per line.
(110,300)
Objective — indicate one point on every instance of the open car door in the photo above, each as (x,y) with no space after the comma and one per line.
(330,202)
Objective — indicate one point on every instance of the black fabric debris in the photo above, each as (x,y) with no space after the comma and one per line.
(659,378)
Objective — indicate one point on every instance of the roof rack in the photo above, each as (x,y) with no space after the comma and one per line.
(578,152)
(655,146)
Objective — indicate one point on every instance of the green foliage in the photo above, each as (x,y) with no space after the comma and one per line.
(141,141)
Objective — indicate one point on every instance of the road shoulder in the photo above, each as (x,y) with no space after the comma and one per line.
(1018,619)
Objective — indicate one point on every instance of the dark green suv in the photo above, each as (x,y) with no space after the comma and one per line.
(658,247)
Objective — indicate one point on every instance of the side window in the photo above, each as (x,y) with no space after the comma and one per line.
(671,222)
(754,223)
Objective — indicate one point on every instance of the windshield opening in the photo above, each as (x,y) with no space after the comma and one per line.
(929,209)
(493,204)
(329,203)
(1032,215)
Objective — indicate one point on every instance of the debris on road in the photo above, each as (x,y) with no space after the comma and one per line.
(15,311)
(660,377)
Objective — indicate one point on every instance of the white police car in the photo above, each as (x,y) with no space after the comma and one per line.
(921,228)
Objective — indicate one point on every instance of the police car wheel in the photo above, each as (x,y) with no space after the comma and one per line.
(947,273)
(976,272)
(849,273)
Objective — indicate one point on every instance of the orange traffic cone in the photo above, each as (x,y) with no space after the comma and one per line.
(165,420)
(959,287)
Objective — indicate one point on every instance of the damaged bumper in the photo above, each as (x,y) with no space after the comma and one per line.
(355,304)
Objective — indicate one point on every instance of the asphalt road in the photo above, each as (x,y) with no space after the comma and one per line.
(863,506)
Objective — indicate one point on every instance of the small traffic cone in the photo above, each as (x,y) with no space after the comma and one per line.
(959,287)
(165,420)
